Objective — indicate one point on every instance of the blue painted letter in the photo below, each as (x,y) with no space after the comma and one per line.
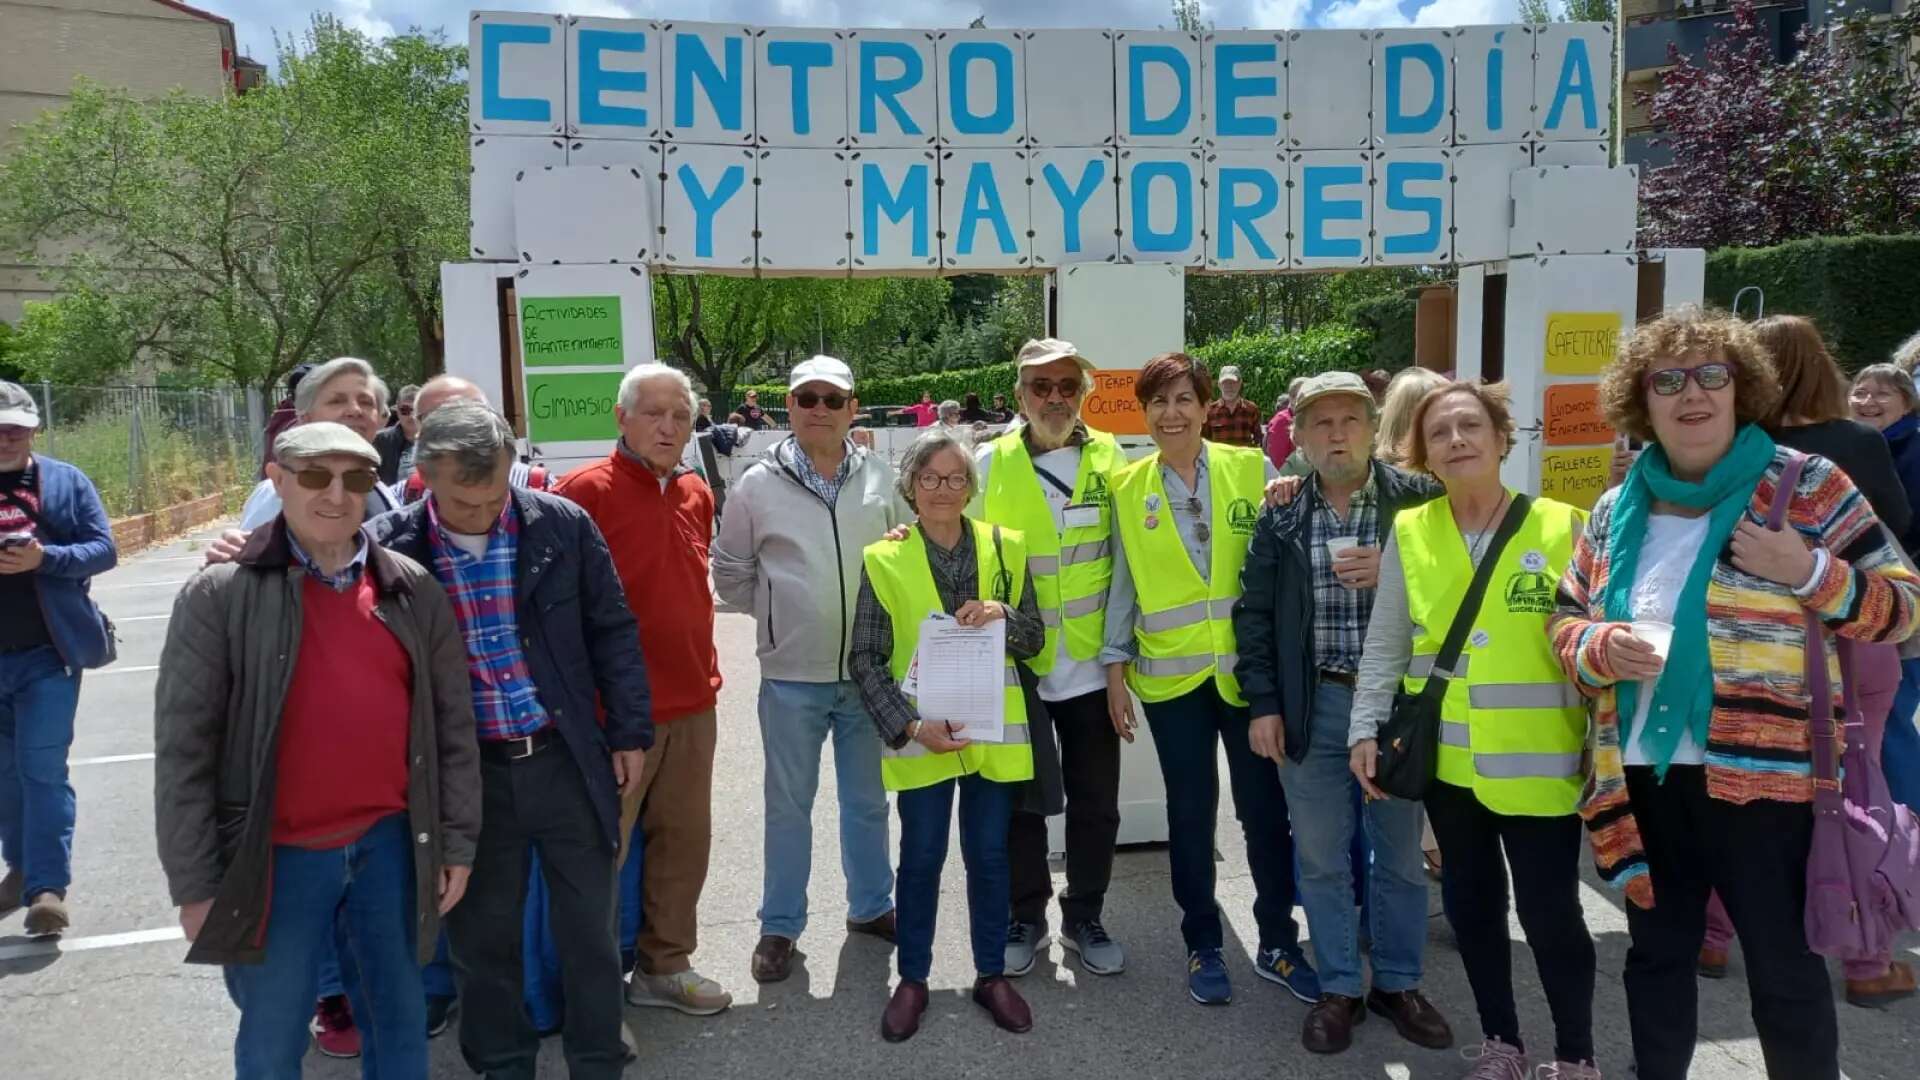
(802,57)
(726,91)
(1576,77)
(596,81)
(493,38)
(1138,57)
(1399,121)
(1496,68)
(874,89)
(1145,237)
(705,204)
(965,120)
(1399,175)
(875,200)
(1238,217)
(1073,199)
(1317,209)
(1229,88)
(982,200)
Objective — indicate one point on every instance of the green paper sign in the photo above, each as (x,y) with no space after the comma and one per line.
(573,407)
(570,331)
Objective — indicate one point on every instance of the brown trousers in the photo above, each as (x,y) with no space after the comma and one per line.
(674,806)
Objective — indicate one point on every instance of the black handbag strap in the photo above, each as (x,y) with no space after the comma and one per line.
(1470,604)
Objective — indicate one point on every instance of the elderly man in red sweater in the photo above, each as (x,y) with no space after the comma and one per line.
(657,516)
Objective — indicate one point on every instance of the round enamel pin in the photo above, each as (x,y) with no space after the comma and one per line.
(1479,639)
(1153,521)
(1534,562)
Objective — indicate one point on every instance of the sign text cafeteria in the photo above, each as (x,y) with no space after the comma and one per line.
(1009,148)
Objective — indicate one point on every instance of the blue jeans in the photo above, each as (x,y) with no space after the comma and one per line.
(1321,792)
(796,719)
(38,696)
(1188,732)
(926,816)
(367,887)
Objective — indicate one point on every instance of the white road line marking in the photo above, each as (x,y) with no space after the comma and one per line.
(85,944)
(111,759)
(125,670)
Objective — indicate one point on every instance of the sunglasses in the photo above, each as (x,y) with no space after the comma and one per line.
(1670,381)
(1201,530)
(807,399)
(1045,388)
(355,481)
(405,410)
(931,481)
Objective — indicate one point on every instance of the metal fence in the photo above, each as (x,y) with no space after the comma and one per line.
(146,447)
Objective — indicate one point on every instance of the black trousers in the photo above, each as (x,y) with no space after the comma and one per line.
(1756,856)
(541,800)
(1090,773)
(1477,848)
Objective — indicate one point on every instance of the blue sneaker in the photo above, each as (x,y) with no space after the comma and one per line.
(1207,978)
(1288,966)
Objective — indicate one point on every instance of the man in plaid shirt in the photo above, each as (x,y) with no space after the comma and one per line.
(1233,419)
(1300,626)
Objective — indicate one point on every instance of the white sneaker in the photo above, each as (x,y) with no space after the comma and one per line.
(688,991)
(1495,1060)
(1566,1070)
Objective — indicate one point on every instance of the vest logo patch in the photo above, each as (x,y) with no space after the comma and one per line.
(1241,516)
(1530,591)
(1096,491)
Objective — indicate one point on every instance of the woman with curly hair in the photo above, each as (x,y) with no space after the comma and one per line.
(1702,750)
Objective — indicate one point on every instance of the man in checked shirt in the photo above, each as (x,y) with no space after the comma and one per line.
(1307,591)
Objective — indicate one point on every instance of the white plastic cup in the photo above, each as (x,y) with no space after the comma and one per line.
(1655,633)
(1339,544)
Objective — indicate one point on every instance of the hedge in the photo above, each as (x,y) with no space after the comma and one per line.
(1861,290)
(1388,322)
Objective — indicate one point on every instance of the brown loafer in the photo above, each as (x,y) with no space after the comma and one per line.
(880,926)
(1330,1023)
(1413,1016)
(772,959)
(1713,963)
(996,994)
(47,915)
(902,1016)
(1877,993)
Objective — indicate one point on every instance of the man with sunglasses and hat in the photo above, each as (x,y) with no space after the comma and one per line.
(789,550)
(315,763)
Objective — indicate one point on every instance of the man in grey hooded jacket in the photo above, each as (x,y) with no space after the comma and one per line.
(789,549)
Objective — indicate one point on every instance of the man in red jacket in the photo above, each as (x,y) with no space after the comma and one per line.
(657,516)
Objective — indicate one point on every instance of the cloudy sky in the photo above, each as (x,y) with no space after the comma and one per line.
(257,20)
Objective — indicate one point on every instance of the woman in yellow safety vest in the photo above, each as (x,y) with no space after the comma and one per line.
(974,574)
(1184,516)
(1512,728)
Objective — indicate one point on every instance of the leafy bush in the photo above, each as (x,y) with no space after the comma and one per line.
(1859,289)
(1268,362)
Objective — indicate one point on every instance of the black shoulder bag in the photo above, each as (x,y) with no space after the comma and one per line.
(1410,739)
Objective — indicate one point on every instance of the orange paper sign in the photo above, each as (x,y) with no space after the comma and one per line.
(1111,407)
(1573,416)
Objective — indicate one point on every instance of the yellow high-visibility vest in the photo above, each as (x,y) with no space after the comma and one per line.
(1185,629)
(903,583)
(1512,728)
(1072,567)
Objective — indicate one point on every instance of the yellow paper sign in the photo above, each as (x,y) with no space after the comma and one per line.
(1581,342)
(1575,477)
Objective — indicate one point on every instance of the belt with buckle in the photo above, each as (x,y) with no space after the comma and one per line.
(1342,678)
(510,750)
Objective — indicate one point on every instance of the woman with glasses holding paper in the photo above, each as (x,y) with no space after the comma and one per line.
(955,575)
(1702,750)
(1183,517)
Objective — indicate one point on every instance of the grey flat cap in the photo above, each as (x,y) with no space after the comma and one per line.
(323,439)
(17,407)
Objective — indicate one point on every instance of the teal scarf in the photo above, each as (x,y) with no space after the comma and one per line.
(1684,690)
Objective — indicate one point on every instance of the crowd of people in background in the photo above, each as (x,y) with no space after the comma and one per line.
(425,678)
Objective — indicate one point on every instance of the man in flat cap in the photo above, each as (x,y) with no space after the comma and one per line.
(315,759)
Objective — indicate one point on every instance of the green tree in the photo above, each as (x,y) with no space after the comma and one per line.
(1542,11)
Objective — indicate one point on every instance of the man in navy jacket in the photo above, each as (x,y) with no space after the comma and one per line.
(53,539)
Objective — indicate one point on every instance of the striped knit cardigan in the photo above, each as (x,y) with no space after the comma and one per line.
(1757,743)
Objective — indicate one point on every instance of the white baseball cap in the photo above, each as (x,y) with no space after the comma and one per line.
(1047,350)
(1231,371)
(17,407)
(824,369)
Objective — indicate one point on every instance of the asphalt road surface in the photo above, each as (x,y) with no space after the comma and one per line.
(114,999)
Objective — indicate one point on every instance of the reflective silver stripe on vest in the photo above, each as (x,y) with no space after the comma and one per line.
(1088,551)
(1422,666)
(1161,667)
(1553,695)
(1043,564)
(1453,734)
(1014,735)
(1086,605)
(1186,615)
(1050,617)
(1526,766)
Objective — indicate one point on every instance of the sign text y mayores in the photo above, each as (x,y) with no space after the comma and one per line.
(1258,147)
